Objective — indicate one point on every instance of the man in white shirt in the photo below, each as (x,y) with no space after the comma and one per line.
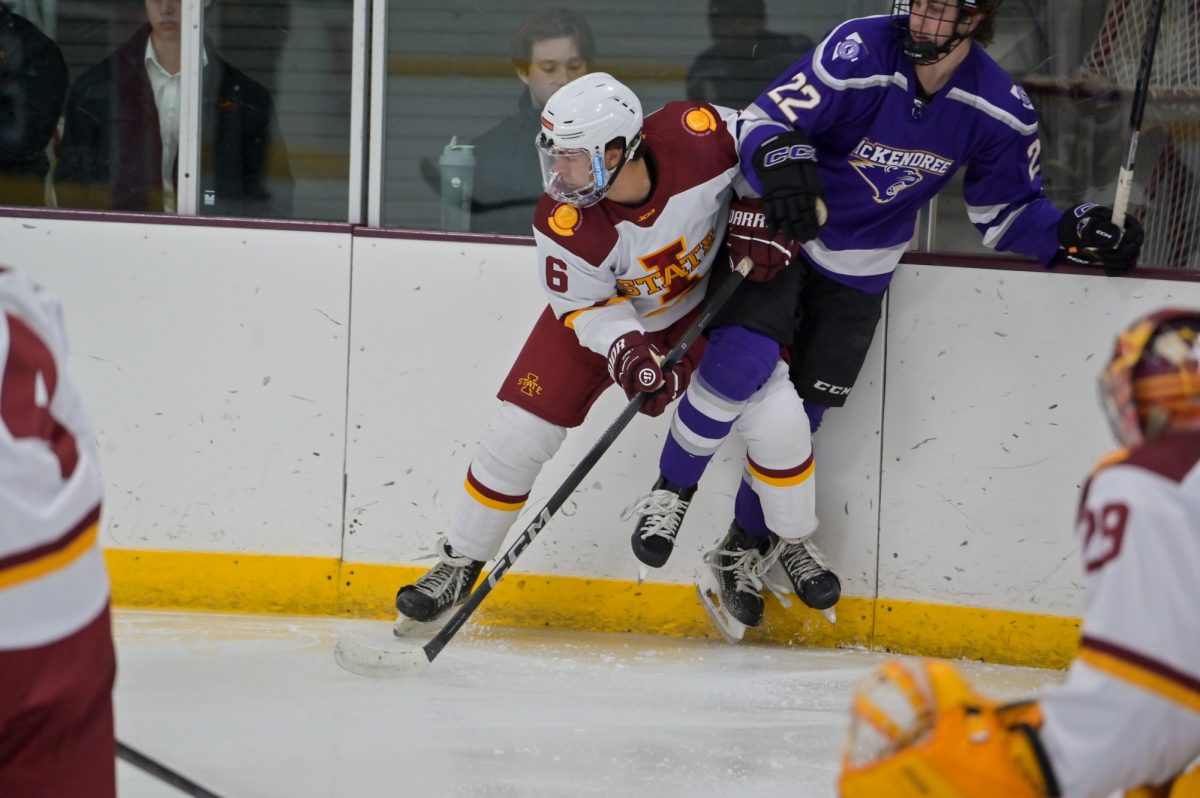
(120,142)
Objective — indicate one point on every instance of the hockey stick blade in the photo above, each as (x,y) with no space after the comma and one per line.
(560,496)
(377,654)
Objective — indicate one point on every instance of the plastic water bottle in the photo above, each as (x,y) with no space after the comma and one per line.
(457,164)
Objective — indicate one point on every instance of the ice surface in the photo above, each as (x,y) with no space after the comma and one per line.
(254,707)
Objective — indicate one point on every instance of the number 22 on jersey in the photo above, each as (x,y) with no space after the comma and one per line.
(798,95)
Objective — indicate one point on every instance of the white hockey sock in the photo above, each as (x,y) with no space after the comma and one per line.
(510,456)
(779,457)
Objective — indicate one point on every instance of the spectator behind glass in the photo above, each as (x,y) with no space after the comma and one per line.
(33,85)
(120,143)
(550,48)
(744,55)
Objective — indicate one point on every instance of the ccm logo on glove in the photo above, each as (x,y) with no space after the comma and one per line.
(793,199)
(1089,238)
(795,152)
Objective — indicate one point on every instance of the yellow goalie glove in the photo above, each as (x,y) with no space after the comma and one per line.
(918,730)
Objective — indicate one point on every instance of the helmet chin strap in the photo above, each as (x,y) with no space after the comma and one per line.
(925,53)
(630,151)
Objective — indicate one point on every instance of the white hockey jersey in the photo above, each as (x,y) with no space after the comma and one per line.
(611,269)
(52,575)
(1129,712)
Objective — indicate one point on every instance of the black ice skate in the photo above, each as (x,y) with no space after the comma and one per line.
(660,512)
(731,591)
(444,585)
(815,584)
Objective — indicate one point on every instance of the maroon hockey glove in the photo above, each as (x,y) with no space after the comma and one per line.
(633,364)
(677,378)
(793,198)
(748,236)
(1089,238)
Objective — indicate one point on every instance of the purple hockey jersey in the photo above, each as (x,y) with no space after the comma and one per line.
(883,153)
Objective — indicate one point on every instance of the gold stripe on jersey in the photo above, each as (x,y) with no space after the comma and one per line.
(569,319)
(487,501)
(1111,459)
(1142,672)
(49,563)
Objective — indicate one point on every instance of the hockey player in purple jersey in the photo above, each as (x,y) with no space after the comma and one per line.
(869,126)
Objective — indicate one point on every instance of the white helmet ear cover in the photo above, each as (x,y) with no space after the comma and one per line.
(583,117)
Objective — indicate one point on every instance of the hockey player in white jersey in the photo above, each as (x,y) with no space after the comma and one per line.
(1128,716)
(631,225)
(56,652)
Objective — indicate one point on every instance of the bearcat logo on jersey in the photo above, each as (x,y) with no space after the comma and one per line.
(672,270)
(564,220)
(700,121)
(889,171)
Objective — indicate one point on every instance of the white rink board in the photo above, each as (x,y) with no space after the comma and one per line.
(991,413)
(436,327)
(992,423)
(214,365)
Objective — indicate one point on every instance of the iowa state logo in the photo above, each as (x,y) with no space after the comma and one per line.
(889,171)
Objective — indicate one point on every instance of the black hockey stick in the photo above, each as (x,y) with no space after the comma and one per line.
(162,772)
(1140,91)
(711,308)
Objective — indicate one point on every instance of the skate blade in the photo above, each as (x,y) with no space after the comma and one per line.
(830,615)
(377,655)
(710,598)
(406,627)
(643,572)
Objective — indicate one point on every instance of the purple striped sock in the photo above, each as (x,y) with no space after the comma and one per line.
(736,363)
(747,511)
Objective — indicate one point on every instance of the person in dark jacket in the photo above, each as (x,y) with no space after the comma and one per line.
(120,140)
(550,48)
(744,55)
(33,86)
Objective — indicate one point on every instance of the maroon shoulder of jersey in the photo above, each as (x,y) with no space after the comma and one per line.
(1172,455)
(691,141)
(587,233)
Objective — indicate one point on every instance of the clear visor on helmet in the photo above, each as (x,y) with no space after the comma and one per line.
(574,176)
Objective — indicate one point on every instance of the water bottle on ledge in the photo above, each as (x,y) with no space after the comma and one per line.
(457,164)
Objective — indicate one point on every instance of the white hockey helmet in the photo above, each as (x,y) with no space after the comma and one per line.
(580,121)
